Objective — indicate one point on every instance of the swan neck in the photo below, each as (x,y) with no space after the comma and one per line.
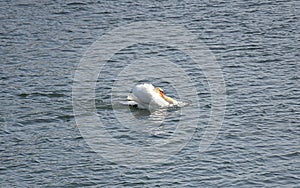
(168,99)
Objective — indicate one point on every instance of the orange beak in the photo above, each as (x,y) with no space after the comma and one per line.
(162,94)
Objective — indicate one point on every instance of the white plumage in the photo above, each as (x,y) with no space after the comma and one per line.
(146,96)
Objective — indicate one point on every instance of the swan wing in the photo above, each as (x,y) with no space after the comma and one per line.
(143,93)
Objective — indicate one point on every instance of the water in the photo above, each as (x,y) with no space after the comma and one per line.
(256,44)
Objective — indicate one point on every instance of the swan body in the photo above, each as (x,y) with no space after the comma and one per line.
(146,96)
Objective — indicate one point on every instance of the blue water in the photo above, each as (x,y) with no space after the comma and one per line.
(255,43)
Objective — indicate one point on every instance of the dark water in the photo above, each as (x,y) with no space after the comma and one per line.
(255,43)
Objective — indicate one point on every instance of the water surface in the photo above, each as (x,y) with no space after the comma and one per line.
(256,44)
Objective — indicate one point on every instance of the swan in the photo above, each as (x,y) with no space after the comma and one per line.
(146,96)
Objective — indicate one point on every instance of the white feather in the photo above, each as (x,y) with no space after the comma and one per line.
(146,98)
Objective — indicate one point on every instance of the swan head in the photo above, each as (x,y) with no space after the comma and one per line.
(161,93)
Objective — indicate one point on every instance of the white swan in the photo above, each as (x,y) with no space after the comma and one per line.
(146,96)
